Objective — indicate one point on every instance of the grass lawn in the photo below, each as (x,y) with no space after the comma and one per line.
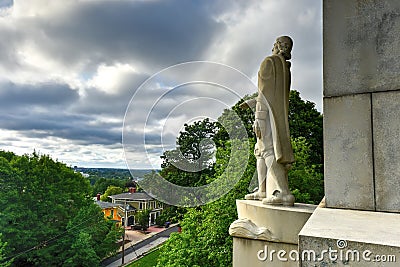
(149,260)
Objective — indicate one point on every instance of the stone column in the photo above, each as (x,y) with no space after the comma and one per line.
(361,133)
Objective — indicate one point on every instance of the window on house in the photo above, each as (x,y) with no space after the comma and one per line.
(140,205)
(112,214)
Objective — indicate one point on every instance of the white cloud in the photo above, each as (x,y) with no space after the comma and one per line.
(64,150)
(108,78)
(40,8)
(308,17)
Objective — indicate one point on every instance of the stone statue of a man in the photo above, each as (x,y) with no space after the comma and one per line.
(273,149)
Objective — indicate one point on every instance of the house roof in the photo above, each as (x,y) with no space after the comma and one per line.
(105,205)
(132,196)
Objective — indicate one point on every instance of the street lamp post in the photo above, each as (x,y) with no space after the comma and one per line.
(123,248)
(123,237)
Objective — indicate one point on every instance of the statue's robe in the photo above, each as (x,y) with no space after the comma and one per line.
(274,88)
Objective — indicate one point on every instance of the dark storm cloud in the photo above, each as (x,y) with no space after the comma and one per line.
(45,95)
(53,123)
(6,3)
(151,33)
(55,110)
(9,40)
(95,101)
(41,110)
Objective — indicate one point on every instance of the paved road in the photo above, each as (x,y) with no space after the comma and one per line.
(140,248)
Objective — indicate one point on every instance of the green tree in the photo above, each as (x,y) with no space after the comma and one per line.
(306,181)
(98,235)
(102,184)
(111,190)
(192,161)
(143,218)
(305,121)
(231,124)
(83,253)
(204,240)
(171,214)
(3,261)
(40,198)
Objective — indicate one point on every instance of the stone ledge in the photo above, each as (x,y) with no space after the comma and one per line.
(354,225)
(376,232)
(284,223)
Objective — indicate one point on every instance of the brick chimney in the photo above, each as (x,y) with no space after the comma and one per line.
(98,196)
(132,190)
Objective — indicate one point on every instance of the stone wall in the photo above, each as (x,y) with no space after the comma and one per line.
(362,104)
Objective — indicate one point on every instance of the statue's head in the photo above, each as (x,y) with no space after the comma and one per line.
(283,46)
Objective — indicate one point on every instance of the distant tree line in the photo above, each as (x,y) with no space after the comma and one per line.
(114,180)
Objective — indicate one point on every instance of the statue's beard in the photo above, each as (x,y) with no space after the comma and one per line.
(285,54)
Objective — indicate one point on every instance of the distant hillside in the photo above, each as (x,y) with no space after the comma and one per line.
(112,173)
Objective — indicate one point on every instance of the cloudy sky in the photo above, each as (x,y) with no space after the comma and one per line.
(70,69)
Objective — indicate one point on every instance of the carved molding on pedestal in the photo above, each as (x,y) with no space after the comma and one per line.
(245,228)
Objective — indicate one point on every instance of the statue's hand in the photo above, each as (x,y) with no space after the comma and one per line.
(257,129)
(251,103)
(244,105)
(288,166)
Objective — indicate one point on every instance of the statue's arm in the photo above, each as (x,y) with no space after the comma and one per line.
(251,103)
(267,69)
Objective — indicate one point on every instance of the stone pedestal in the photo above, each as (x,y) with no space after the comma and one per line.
(266,235)
(338,237)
